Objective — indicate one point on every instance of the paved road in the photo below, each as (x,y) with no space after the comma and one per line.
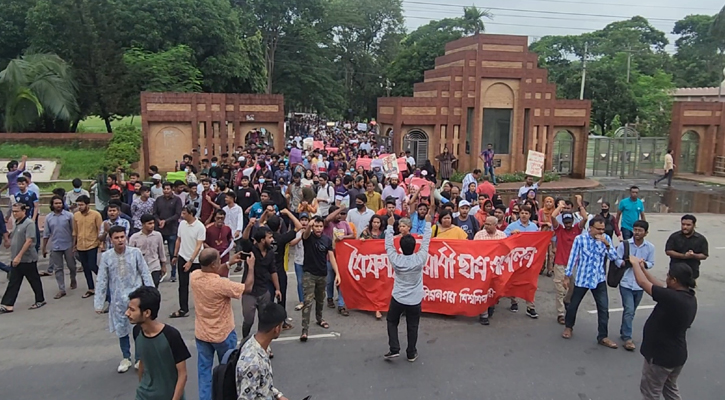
(63,351)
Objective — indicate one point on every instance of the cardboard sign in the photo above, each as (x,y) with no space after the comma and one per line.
(390,165)
(308,143)
(295,156)
(318,144)
(535,163)
(423,184)
(458,278)
(363,127)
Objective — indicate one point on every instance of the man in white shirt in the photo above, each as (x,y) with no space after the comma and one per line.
(325,196)
(471,177)
(393,190)
(189,240)
(409,159)
(234,218)
(361,215)
(529,185)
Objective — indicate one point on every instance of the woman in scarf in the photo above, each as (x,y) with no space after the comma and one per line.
(430,171)
(446,159)
(544,222)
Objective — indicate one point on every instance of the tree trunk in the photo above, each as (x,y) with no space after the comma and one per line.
(107,120)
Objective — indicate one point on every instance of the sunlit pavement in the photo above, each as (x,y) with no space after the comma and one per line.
(64,351)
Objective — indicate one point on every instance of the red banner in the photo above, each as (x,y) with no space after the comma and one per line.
(459,278)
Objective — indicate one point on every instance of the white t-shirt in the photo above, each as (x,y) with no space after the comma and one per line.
(297,252)
(410,160)
(189,234)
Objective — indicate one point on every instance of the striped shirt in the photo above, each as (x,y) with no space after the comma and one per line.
(587,256)
(484,235)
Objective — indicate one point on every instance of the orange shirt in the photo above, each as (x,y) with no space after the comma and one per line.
(213,305)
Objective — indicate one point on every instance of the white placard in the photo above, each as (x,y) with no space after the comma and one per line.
(535,163)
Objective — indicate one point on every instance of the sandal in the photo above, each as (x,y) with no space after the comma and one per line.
(629,345)
(44,273)
(343,311)
(299,307)
(330,303)
(88,294)
(4,310)
(567,333)
(59,295)
(606,342)
(179,314)
(37,305)
(323,324)
(303,336)
(560,320)
(378,315)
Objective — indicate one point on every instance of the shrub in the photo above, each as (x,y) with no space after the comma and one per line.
(124,149)
(511,177)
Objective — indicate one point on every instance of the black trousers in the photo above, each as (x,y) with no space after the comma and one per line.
(412,319)
(156,277)
(184,283)
(282,278)
(28,271)
(668,175)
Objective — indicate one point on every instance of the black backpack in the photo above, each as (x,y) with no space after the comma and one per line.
(615,274)
(224,375)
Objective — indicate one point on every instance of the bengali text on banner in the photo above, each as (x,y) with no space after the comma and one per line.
(461,277)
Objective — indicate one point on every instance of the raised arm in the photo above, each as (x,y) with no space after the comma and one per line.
(292,218)
(642,276)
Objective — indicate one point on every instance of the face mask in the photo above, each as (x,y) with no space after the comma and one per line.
(360,206)
(213,164)
(77,190)
(261,180)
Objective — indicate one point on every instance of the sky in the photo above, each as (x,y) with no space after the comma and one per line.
(537,18)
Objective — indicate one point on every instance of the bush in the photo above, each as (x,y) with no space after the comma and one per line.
(124,149)
(512,177)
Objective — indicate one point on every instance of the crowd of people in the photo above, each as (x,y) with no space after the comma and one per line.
(261,211)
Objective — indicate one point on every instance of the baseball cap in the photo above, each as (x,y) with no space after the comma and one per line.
(566,216)
(157,177)
(391,200)
(464,203)
(241,158)
(304,215)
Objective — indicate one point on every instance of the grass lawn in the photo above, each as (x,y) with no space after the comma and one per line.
(75,162)
(95,124)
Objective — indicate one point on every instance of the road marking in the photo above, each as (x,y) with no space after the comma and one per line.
(331,335)
(620,309)
(719,248)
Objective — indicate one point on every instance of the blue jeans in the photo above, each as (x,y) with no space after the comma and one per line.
(171,244)
(600,298)
(331,286)
(626,234)
(6,268)
(630,301)
(488,170)
(125,343)
(205,355)
(298,273)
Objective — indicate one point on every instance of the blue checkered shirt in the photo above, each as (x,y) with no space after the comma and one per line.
(587,256)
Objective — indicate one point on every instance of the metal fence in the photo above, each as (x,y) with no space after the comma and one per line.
(625,156)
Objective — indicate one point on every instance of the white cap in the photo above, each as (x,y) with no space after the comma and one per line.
(157,177)
(424,172)
(240,159)
(463,203)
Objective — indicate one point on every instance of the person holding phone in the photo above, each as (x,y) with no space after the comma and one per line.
(259,275)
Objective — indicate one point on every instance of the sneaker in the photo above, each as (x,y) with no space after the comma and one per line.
(173,279)
(390,355)
(483,320)
(514,307)
(136,364)
(531,313)
(124,366)
(413,358)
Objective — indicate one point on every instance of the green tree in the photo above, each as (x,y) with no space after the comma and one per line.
(473,19)
(13,40)
(698,61)
(37,85)
(418,51)
(172,70)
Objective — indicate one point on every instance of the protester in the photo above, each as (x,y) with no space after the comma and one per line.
(167,210)
(630,210)
(337,229)
(664,339)
(32,207)
(72,197)
(258,276)
(468,223)
(214,317)
(529,184)
(361,215)
(58,231)
(114,219)
(630,291)
(87,224)
(446,160)
(122,270)
(489,232)
(587,258)
(189,240)
(445,229)
(24,262)
(141,206)
(471,178)
(151,244)
(279,246)
(408,292)
(318,253)
(487,158)
(160,349)
(254,368)
(611,227)
(325,196)
(687,245)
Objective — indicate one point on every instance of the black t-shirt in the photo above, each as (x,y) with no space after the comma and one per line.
(316,248)
(246,197)
(226,171)
(664,340)
(682,244)
(159,355)
(279,245)
(216,173)
(264,267)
